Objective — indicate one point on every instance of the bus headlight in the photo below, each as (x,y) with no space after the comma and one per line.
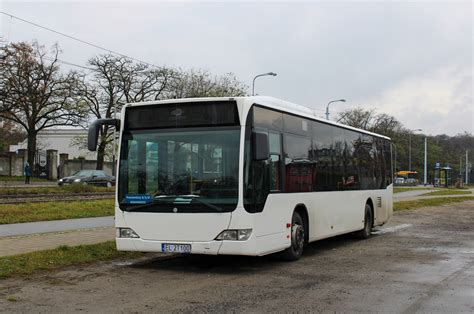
(235,235)
(126,233)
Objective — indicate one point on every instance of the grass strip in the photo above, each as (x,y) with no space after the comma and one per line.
(29,212)
(446,192)
(414,204)
(28,263)
(74,188)
(20,179)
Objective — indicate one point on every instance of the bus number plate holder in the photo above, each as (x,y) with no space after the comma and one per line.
(175,248)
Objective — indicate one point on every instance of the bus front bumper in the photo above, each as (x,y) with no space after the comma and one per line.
(211,248)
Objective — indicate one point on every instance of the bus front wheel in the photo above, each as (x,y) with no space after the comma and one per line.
(295,251)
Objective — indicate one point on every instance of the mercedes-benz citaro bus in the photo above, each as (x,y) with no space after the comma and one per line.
(243,176)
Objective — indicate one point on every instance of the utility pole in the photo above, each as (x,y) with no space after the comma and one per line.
(409,152)
(409,147)
(467,161)
(327,107)
(426,159)
(395,153)
(264,74)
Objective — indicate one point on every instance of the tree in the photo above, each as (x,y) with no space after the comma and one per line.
(371,121)
(34,93)
(200,83)
(116,80)
(441,148)
(9,134)
(383,124)
(357,118)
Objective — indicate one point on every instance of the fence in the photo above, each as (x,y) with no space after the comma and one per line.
(12,164)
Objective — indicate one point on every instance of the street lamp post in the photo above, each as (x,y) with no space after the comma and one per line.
(467,168)
(426,159)
(395,155)
(409,147)
(327,107)
(263,74)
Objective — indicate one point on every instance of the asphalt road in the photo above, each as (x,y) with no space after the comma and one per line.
(422,261)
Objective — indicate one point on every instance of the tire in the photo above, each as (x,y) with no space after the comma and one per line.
(365,233)
(298,231)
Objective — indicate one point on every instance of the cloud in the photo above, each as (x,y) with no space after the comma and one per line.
(439,102)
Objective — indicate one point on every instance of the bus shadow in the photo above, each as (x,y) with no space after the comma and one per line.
(230,264)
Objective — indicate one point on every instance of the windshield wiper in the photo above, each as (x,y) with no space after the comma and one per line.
(193,198)
(135,208)
(162,198)
(209,205)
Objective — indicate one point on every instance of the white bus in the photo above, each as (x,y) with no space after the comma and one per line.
(243,176)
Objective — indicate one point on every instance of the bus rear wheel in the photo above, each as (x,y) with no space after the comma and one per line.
(295,251)
(365,233)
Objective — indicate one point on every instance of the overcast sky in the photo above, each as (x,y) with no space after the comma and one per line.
(412,60)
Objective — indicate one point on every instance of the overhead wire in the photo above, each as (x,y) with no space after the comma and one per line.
(69,63)
(110,51)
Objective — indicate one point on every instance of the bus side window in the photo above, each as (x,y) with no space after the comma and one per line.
(299,169)
(274,140)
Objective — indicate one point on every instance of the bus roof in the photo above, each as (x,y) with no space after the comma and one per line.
(266,101)
(402,172)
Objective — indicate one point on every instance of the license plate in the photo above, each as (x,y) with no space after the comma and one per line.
(176,248)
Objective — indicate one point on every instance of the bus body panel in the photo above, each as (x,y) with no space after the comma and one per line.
(175,226)
(140,245)
(329,213)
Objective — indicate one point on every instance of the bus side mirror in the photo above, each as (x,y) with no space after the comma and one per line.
(260,146)
(94,128)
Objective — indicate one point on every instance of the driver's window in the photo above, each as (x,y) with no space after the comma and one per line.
(132,166)
(212,159)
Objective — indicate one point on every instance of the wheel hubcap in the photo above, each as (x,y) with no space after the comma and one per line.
(297,237)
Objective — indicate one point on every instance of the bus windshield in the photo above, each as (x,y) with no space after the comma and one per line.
(185,170)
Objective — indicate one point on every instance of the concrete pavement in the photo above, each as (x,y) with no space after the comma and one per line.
(417,195)
(44,235)
(29,228)
(409,194)
(46,241)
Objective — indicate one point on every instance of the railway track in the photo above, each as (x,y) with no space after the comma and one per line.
(60,197)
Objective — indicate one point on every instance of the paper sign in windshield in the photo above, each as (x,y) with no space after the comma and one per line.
(137,198)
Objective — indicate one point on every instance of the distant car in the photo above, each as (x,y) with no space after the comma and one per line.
(94,177)
(399,180)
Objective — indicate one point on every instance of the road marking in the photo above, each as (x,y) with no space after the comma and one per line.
(392,229)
